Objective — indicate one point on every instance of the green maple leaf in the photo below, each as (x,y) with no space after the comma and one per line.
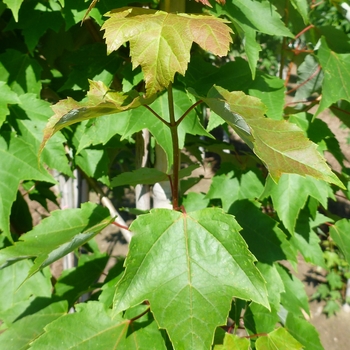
(243,15)
(303,331)
(233,342)
(336,79)
(340,234)
(94,327)
(160,42)
(22,332)
(31,117)
(278,339)
(14,6)
(331,308)
(291,193)
(188,266)
(282,146)
(19,295)
(302,7)
(7,96)
(294,298)
(56,236)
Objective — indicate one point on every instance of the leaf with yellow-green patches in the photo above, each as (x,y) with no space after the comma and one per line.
(281,145)
(160,42)
(100,101)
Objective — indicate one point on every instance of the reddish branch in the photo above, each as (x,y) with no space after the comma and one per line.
(256,335)
(121,226)
(339,109)
(304,30)
(296,51)
(188,111)
(304,82)
(139,316)
(313,5)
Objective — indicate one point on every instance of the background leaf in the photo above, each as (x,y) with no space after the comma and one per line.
(18,162)
(18,296)
(30,118)
(306,240)
(334,86)
(294,298)
(303,331)
(21,72)
(340,234)
(278,339)
(259,230)
(310,78)
(74,282)
(7,96)
(243,16)
(231,187)
(290,194)
(14,6)
(233,342)
(302,7)
(28,328)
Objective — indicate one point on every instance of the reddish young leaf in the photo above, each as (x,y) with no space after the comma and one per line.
(160,42)
(100,101)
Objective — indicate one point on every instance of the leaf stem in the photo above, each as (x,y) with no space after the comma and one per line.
(188,111)
(139,316)
(176,152)
(157,115)
(305,81)
(256,335)
(109,205)
(284,40)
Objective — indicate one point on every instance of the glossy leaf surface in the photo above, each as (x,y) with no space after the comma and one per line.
(282,146)
(20,295)
(171,264)
(99,329)
(278,339)
(48,242)
(26,329)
